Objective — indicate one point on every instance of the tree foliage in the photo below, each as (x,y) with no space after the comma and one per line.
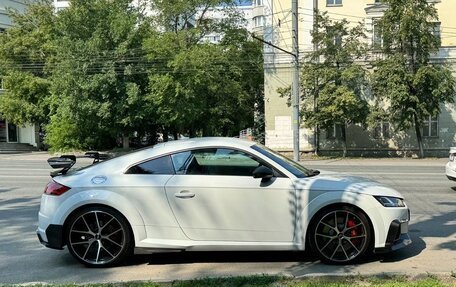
(412,84)
(205,89)
(335,81)
(24,51)
(99,76)
(103,69)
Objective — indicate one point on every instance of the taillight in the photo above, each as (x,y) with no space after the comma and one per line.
(54,188)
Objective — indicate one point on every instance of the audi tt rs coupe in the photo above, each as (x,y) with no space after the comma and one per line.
(212,194)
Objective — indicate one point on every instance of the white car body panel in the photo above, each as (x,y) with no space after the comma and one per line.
(450,167)
(240,209)
(226,213)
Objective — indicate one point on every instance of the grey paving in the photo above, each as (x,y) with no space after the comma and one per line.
(431,197)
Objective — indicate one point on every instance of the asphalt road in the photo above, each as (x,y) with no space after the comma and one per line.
(430,196)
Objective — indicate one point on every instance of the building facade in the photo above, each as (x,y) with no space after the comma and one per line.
(438,133)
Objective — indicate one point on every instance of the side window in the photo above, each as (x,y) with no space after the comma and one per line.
(162,165)
(213,161)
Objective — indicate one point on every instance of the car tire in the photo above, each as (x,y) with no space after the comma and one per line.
(98,236)
(340,235)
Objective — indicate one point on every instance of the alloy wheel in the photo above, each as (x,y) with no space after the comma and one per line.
(341,236)
(97,237)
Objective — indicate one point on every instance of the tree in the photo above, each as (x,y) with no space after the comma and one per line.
(25,49)
(198,87)
(337,78)
(407,78)
(99,75)
(102,69)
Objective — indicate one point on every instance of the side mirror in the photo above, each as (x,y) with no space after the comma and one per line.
(263,172)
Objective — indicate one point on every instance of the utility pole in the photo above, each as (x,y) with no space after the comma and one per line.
(295,86)
(316,92)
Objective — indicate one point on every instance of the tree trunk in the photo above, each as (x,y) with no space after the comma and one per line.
(205,132)
(419,137)
(317,139)
(125,141)
(165,136)
(176,136)
(344,141)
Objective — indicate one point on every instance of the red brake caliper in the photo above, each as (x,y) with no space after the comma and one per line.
(353,231)
(350,224)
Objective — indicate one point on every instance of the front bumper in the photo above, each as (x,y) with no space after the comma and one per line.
(53,235)
(397,237)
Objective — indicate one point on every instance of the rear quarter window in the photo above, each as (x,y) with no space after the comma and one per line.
(161,165)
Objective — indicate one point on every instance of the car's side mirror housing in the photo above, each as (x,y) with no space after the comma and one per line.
(263,172)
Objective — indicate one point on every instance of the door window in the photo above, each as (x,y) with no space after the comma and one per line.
(215,161)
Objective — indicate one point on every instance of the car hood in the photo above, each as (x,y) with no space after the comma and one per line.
(333,181)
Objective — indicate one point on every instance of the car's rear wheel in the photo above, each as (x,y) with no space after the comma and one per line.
(98,236)
(340,235)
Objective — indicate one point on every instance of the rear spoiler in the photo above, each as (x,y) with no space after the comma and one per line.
(65,162)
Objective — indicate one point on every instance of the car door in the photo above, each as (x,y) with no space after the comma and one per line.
(215,197)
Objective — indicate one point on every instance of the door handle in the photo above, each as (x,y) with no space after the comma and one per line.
(184,194)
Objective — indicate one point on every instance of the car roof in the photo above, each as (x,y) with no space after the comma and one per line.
(124,161)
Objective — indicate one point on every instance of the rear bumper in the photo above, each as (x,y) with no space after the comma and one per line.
(52,237)
(397,237)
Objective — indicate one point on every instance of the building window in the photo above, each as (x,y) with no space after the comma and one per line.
(338,40)
(382,130)
(258,21)
(377,37)
(436,30)
(430,127)
(334,132)
(257,2)
(333,2)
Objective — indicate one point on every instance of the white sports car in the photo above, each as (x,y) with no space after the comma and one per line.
(450,167)
(210,194)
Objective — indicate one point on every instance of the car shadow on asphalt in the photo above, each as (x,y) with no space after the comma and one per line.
(218,257)
(300,258)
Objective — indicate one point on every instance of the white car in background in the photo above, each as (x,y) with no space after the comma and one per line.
(450,167)
(213,194)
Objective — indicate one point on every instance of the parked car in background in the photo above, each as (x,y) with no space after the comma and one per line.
(451,165)
(212,194)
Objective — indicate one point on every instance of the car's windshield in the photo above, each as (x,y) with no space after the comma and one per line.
(290,165)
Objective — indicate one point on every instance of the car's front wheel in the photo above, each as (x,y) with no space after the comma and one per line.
(98,236)
(340,235)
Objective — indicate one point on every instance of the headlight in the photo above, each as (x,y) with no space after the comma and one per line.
(452,156)
(387,201)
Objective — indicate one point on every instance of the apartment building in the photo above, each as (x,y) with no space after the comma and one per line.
(439,133)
